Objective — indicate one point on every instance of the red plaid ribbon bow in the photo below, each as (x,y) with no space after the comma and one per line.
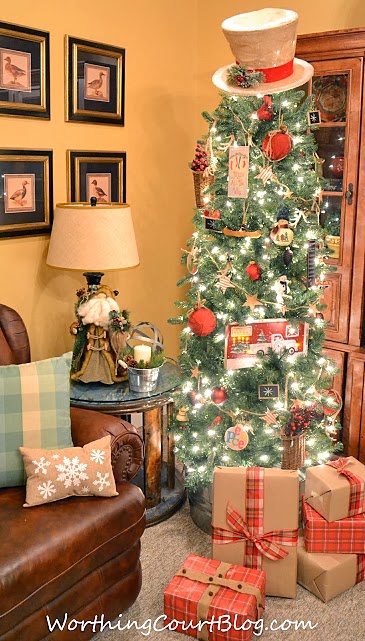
(360,568)
(258,543)
(357,486)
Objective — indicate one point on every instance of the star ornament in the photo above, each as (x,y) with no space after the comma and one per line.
(270,418)
(265,174)
(195,372)
(312,310)
(252,302)
(224,282)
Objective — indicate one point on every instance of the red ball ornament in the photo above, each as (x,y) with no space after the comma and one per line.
(215,213)
(202,321)
(329,411)
(265,112)
(277,144)
(219,395)
(253,270)
(191,396)
(337,166)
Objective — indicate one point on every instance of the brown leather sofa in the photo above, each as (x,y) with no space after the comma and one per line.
(75,559)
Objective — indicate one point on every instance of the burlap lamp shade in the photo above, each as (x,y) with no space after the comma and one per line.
(92,238)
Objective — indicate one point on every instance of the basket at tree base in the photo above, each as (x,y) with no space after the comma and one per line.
(293,453)
(202,180)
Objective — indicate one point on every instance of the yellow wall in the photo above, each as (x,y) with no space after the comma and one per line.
(159,38)
(172,49)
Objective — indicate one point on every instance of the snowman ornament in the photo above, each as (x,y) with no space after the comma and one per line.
(282,289)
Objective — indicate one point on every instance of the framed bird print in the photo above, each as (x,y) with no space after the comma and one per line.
(96,174)
(94,82)
(26,198)
(24,72)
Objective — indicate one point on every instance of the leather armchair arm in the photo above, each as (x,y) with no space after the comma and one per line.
(126,444)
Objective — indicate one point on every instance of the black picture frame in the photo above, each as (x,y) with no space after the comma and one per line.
(268,391)
(24,72)
(213,224)
(94,82)
(107,168)
(26,192)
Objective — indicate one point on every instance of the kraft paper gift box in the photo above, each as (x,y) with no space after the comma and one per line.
(328,575)
(204,590)
(336,490)
(270,516)
(346,536)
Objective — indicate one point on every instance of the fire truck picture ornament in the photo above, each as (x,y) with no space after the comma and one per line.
(245,343)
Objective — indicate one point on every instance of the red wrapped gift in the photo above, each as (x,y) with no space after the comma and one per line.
(229,598)
(346,536)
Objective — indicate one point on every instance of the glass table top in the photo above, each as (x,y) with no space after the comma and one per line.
(118,393)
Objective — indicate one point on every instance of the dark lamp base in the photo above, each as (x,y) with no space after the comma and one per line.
(93,278)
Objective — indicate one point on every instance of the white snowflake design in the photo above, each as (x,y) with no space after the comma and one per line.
(72,471)
(41,465)
(268,391)
(55,456)
(101,481)
(47,489)
(85,489)
(97,456)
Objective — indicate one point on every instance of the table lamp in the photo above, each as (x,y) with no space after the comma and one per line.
(94,238)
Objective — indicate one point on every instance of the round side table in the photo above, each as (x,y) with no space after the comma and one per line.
(162,483)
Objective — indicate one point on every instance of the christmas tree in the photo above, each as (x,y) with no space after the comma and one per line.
(256,385)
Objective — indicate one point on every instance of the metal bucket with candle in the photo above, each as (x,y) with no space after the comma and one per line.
(143,380)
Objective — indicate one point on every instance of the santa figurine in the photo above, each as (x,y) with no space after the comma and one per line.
(93,358)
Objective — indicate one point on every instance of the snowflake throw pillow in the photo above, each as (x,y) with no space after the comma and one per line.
(56,474)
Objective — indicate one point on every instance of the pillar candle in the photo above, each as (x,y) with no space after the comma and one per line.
(142,353)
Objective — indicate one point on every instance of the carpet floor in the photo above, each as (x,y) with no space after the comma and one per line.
(164,548)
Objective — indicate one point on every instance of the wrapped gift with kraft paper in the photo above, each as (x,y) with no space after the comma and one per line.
(328,575)
(229,598)
(336,490)
(255,523)
(346,536)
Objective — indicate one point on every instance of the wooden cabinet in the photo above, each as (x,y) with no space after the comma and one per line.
(354,412)
(338,89)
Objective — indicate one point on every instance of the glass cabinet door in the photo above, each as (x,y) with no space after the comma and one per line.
(336,89)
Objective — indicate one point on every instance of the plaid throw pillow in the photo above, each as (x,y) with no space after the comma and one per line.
(34,412)
(74,471)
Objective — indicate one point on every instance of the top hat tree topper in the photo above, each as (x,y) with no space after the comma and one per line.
(263,44)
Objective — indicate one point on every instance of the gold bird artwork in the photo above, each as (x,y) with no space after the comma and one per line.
(95,85)
(13,70)
(100,193)
(19,195)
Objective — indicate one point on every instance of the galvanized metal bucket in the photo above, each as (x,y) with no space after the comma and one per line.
(143,380)
(201,507)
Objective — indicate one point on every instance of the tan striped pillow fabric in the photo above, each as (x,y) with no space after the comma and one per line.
(73,471)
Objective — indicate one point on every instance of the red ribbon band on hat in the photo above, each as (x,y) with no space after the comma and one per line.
(357,486)
(258,543)
(274,74)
